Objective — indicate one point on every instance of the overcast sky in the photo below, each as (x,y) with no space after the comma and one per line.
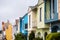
(13,9)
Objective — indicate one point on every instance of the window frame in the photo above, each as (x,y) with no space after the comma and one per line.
(40,19)
(26,25)
(52,9)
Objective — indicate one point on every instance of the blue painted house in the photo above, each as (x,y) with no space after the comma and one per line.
(24,24)
(52,14)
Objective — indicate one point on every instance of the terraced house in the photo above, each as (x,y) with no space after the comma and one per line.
(52,14)
(7,30)
(42,28)
(43,18)
(47,15)
(32,19)
(36,18)
(24,24)
(16,28)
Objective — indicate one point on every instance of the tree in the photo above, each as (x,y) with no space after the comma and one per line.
(32,35)
(20,36)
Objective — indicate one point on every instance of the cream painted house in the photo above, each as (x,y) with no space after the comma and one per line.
(36,19)
(41,26)
(32,19)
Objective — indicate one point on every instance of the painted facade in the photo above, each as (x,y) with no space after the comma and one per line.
(20,24)
(51,12)
(3,29)
(7,27)
(37,14)
(42,28)
(14,31)
(24,24)
(17,24)
(16,28)
(58,8)
(32,19)
(9,32)
(54,14)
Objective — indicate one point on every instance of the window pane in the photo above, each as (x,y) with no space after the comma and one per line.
(52,9)
(29,20)
(40,13)
(26,26)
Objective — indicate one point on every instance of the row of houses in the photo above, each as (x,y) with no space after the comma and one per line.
(42,18)
(9,30)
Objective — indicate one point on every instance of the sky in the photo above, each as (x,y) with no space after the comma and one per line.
(13,9)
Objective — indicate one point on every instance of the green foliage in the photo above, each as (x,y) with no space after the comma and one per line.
(20,36)
(53,36)
(38,38)
(32,35)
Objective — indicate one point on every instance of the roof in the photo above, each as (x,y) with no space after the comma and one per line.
(24,15)
(33,7)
